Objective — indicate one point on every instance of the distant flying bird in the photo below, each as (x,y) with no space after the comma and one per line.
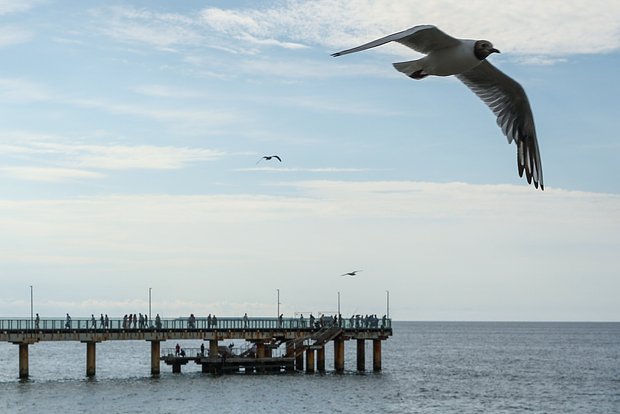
(466,59)
(353,273)
(269,157)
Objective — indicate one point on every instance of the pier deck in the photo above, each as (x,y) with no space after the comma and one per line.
(297,336)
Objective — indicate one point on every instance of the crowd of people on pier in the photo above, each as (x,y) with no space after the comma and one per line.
(142,321)
(129,321)
(355,321)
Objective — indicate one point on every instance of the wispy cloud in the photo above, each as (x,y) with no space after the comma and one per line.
(529,27)
(14,35)
(16,6)
(546,28)
(49,174)
(308,170)
(119,157)
(17,90)
(161,30)
(166,91)
(77,159)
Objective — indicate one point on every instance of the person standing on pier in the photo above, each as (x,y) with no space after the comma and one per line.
(202,349)
(245,320)
(157,322)
(68,322)
(93,321)
(177,350)
(36,321)
(102,321)
(106,321)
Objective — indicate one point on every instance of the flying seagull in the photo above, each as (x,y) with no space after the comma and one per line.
(353,273)
(269,157)
(466,59)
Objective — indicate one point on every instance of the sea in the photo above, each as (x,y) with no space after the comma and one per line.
(427,367)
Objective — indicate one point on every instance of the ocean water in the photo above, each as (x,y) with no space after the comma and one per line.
(428,367)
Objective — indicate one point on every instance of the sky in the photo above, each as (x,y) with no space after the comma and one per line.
(131,137)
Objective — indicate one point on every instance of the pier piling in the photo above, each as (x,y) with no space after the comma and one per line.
(361,355)
(320,359)
(90,358)
(299,360)
(23,360)
(309,360)
(155,349)
(213,351)
(339,354)
(376,355)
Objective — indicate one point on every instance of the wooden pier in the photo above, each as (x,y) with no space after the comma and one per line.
(299,342)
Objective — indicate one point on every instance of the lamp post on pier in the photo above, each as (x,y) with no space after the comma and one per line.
(388,303)
(338,303)
(150,303)
(278,315)
(31,309)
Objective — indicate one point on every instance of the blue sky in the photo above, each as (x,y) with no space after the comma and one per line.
(130,134)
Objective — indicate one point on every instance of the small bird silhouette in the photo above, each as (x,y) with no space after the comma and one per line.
(353,273)
(269,157)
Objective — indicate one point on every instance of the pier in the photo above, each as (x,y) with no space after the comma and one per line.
(270,344)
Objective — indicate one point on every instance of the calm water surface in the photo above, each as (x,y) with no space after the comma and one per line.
(427,368)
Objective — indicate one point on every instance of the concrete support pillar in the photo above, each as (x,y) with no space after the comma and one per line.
(155,352)
(299,361)
(320,359)
(361,355)
(260,353)
(290,351)
(260,350)
(339,354)
(376,354)
(176,368)
(23,361)
(90,358)
(213,352)
(309,360)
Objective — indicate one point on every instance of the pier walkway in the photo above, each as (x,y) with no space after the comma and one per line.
(300,338)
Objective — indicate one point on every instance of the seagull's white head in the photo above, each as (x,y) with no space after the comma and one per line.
(483,48)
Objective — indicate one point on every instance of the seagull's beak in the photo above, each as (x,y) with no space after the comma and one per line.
(494,51)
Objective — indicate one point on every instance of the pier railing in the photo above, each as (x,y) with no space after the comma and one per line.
(198,323)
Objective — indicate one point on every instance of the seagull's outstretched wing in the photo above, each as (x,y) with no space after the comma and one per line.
(423,39)
(277,158)
(508,101)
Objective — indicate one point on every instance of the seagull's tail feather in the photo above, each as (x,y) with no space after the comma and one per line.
(409,68)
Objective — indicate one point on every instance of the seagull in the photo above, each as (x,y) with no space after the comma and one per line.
(466,59)
(269,157)
(353,273)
